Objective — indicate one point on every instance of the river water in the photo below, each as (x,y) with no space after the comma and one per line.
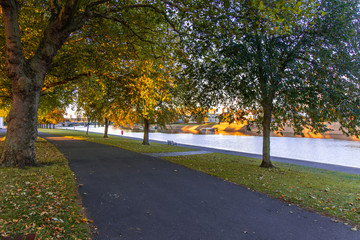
(330,151)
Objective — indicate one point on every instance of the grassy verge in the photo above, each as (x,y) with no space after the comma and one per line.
(331,193)
(41,199)
(129,144)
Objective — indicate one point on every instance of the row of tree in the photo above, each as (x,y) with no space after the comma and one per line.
(145,94)
(292,62)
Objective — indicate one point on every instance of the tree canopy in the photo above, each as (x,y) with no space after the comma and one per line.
(300,67)
(39,35)
(290,62)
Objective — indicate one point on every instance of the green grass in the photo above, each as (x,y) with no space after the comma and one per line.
(41,199)
(129,144)
(330,193)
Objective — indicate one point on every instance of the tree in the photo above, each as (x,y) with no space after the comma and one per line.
(304,73)
(27,75)
(147,96)
(28,60)
(117,63)
(93,100)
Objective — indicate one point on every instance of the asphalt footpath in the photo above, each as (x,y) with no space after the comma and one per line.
(134,196)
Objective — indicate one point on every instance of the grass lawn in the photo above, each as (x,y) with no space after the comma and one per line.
(331,193)
(41,199)
(125,143)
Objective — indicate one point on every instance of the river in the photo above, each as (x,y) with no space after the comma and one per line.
(330,151)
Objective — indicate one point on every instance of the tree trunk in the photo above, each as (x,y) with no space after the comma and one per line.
(87,129)
(19,146)
(106,128)
(146,132)
(27,78)
(266,162)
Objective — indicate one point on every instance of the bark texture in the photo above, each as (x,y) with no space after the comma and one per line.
(19,146)
(106,128)
(266,162)
(146,132)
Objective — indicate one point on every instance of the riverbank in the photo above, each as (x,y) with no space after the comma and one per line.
(243,130)
(328,151)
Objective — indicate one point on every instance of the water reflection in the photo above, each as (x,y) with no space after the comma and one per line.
(331,151)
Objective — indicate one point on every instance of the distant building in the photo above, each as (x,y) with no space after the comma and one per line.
(213,118)
(74,116)
(212,115)
(1,122)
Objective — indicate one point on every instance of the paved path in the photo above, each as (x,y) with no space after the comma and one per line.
(171,154)
(134,196)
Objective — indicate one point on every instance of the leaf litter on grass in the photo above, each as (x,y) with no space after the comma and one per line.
(41,199)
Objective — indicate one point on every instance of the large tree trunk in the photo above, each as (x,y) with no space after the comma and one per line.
(106,128)
(266,124)
(146,132)
(27,78)
(19,146)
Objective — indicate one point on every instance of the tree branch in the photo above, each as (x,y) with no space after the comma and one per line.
(54,6)
(14,51)
(154,8)
(123,22)
(64,81)
(165,17)
(94,4)
(62,23)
